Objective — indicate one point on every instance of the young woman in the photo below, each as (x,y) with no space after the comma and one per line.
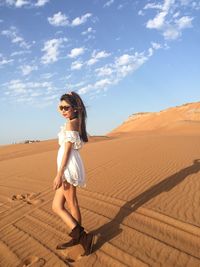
(70,170)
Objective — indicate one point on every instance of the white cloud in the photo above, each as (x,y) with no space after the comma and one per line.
(91,61)
(52,97)
(17,39)
(17,87)
(28,92)
(76,65)
(175,31)
(184,22)
(41,3)
(141,13)
(158,21)
(9,2)
(196,5)
(35,94)
(175,15)
(75,85)
(58,19)
(89,37)
(27,69)
(80,20)
(4,61)
(122,66)
(126,63)
(171,33)
(96,56)
(166,20)
(52,50)
(156,45)
(19,53)
(22,3)
(104,71)
(101,54)
(102,83)
(88,31)
(108,3)
(123,60)
(47,75)
(75,52)
(16,3)
(85,89)
(13,35)
(98,86)
(185,2)
(153,6)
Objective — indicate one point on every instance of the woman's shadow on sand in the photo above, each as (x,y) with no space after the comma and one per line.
(111,229)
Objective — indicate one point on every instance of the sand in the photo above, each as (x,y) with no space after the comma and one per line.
(142,201)
(176,120)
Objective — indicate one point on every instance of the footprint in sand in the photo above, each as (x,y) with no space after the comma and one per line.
(72,254)
(32,261)
(28,198)
(75,253)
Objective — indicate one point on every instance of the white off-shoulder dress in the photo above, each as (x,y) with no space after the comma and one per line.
(74,172)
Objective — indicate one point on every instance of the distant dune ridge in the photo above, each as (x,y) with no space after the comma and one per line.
(141,200)
(184,118)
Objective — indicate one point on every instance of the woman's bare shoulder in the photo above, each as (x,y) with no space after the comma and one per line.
(72,125)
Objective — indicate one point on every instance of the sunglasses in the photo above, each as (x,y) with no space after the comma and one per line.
(66,108)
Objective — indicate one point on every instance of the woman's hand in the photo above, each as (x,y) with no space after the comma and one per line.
(57,182)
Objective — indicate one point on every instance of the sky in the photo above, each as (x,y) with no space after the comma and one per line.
(122,57)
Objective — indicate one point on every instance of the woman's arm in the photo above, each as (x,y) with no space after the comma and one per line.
(58,179)
(72,126)
(66,154)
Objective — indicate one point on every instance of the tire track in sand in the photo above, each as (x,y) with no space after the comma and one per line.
(34,223)
(169,231)
(28,249)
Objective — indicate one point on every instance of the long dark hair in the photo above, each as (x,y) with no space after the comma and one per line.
(76,102)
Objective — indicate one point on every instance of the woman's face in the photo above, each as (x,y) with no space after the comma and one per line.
(66,110)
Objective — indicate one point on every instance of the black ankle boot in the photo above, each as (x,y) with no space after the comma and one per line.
(79,236)
(86,240)
(75,234)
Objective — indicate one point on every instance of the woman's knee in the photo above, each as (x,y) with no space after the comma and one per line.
(70,195)
(58,201)
(57,207)
(72,203)
(54,207)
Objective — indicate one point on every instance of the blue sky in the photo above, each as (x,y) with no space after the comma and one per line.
(122,57)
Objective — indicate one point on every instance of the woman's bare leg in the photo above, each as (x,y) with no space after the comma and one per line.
(59,208)
(69,192)
(79,236)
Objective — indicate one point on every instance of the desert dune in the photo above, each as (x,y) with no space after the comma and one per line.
(142,198)
(181,119)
